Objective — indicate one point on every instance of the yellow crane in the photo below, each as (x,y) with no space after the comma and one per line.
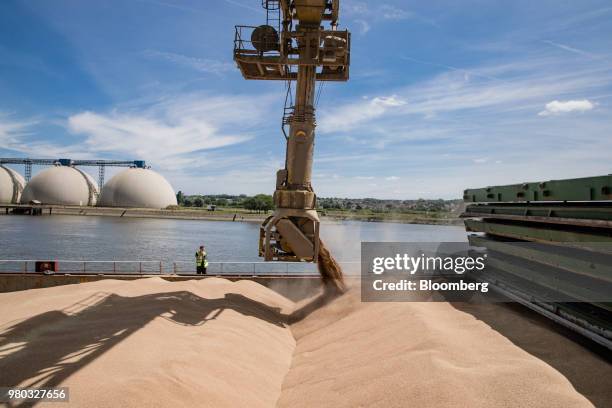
(300,42)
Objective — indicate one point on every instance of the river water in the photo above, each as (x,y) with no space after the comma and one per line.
(60,237)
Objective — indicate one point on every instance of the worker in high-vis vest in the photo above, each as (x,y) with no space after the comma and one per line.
(201,261)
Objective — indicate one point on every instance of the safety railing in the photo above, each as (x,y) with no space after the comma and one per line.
(254,268)
(160,267)
(246,47)
(82,267)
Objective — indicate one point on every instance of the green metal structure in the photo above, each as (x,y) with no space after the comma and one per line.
(549,247)
(580,189)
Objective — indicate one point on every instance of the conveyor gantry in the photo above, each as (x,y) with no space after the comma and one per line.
(102,164)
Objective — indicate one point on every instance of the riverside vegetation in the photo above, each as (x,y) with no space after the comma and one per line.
(420,211)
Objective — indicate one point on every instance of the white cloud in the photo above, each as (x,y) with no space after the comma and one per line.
(453,93)
(558,107)
(388,101)
(209,66)
(352,115)
(364,27)
(389,12)
(12,131)
(382,11)
(147,136)
(170,131)
(11,127)
(569,48)
(484,122)
(229,174)
(20,136)
(358,8)
(392,178)
(365,15)
(486,116)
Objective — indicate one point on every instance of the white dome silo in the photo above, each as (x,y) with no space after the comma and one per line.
(137,187)
(11,185)
(61,185)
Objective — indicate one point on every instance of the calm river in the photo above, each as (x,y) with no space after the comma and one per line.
(111,238)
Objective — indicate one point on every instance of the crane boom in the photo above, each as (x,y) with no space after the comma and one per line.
(298,49)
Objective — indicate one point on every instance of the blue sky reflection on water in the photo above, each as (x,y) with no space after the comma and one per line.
(109,238)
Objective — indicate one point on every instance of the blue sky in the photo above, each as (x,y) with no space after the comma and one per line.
(443,95)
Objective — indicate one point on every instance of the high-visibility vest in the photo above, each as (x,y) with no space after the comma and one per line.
(201,259)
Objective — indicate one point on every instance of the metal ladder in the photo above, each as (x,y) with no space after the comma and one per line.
(273,15)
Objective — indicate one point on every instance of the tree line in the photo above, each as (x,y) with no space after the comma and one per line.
(264,203)
(259,202)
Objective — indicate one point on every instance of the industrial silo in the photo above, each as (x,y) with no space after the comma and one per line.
(62,185)
(137,187)
(11,185)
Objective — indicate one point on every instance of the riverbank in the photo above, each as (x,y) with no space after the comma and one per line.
(239,215)
(182,213)
(401,218)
